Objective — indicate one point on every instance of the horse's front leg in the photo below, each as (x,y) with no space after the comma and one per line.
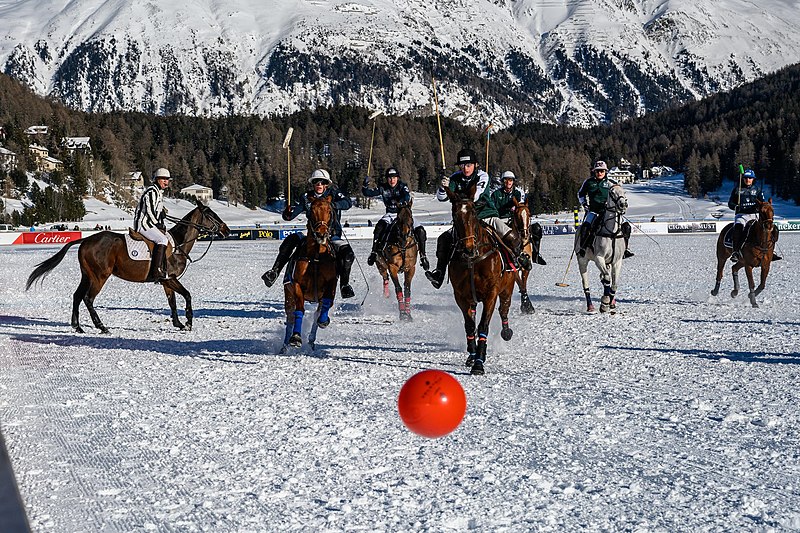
(505,304)
(583,267)
(605,279)
(288,305)
(468,312)
(398,289)
(751,284)
(735,273)
(299,311)
(483,333)
(88,300)
(408,275)
(384,271)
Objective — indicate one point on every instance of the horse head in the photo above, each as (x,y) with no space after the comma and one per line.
(521,220)
(320,220)
(210,222)
(617,202)
(465,220)
(766,215)
(404,223)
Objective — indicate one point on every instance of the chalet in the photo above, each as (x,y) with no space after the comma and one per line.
(204,194)
(8,159)
(80,144)
(36,130)
(621,176)
(45,163)
(133,180)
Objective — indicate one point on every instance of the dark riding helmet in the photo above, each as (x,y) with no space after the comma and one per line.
(391,172)
(749,174)
(466,155)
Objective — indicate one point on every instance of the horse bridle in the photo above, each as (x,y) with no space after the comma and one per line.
(472,256)
(214,230)
(322,237)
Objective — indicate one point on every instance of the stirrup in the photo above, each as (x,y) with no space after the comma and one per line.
(736,257)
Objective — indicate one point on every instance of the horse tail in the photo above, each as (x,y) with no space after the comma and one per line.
(44,268)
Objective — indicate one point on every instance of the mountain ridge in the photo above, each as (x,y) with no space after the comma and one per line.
(579,62)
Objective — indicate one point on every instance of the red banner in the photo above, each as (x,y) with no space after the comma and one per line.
(48,237)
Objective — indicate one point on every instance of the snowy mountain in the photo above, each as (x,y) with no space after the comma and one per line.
(504,61)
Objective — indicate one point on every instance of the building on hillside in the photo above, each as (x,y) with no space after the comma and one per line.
(621,176)
(80,144)
(202,193)
(45,163)
(133,180)
(36,130)
(8,159)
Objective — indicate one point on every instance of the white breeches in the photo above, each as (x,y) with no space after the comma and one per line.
(389,218)
(744,218)
(155,235)
(498,224)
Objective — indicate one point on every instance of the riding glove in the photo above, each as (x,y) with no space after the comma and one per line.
(445,182)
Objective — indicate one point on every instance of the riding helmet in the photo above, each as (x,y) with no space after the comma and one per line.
(600,165)
(161,173)
(390,172)
(749,173)
(508,175)
(465,155)
(320,175)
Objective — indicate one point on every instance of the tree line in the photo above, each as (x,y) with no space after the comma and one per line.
(756,125)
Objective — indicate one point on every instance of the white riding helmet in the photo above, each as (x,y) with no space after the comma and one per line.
(161,173)
(509,175)
(320,174)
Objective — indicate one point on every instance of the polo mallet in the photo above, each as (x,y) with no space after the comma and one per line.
(488,134)
(286,142)
(373,118)
(438,120)
(569,263)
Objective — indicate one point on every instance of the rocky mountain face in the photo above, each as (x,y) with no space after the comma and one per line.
(500,61)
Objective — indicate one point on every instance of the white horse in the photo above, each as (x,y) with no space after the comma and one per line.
(606,250)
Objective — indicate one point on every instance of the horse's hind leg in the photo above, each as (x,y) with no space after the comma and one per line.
(398,291)
(77,298)
(720,271)
(170,288)
(88,299)
(505,304)
(407,277)
(735,273)
(751,284)
(525,302)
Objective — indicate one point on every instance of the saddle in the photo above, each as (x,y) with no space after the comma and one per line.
(136,236)
(506,253)
(728,240)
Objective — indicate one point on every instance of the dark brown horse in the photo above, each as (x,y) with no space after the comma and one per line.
(477,276)
(521,223)
(400,255)
(313,277)
(105,254)
(756,252)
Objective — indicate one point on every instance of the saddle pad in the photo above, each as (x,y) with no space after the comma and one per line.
(138,251)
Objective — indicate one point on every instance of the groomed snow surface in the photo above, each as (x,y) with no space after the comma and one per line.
(679,414)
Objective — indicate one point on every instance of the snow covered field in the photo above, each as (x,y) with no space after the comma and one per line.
(680,414)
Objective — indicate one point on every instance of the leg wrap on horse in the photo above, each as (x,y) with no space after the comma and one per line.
(325,307)
(298,321)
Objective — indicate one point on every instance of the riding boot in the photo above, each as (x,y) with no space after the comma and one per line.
(377,241)
(626,233)
(157,264)
(536,242)
(344,262)
(444,250)
(422,237)
(586,238)
(737,237)
(285,252)
(521,259)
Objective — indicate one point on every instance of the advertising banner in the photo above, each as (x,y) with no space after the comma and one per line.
(560,229)
(48,237)
(789,225)
(692,227)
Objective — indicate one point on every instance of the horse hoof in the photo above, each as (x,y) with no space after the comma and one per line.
(714,292)
(323,323)
(78,329)
(477,368)
(507,333)
(405,317)
(295,340)
(470,360)
(591,309)
(104,330)
(312,345)
(734,294)
(284,349)
(188,327)
(179,325)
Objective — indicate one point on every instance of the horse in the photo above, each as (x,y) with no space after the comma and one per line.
(606,251)
(400,255)
(520,223)
(477,276)
(757,251)
(313,277)
(104,254)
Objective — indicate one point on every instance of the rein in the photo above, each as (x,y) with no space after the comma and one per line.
(214,230)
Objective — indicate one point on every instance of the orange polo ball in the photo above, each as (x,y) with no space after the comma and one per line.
(432,403)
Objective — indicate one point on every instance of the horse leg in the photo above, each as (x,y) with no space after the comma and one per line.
(505,304)
(407,277)
(77,298)
(288,306)
(299,311)
(88,299)
(615,271)
(323,318)
(312,336)
(735,273)
(398,291)
(764,272)
(483,334)
(605,279)
(176,286)
(385,275)
(583,267)
(751,284)
(468,312)
(525,302)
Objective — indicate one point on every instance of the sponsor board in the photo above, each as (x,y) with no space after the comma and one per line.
(789,225)
(560,229)
(692,227)
(48,237)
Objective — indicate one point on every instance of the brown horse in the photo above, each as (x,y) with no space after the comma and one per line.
(105,254)
(400,255)
(757,251)
(477,275)
(313,276)
(521,223)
